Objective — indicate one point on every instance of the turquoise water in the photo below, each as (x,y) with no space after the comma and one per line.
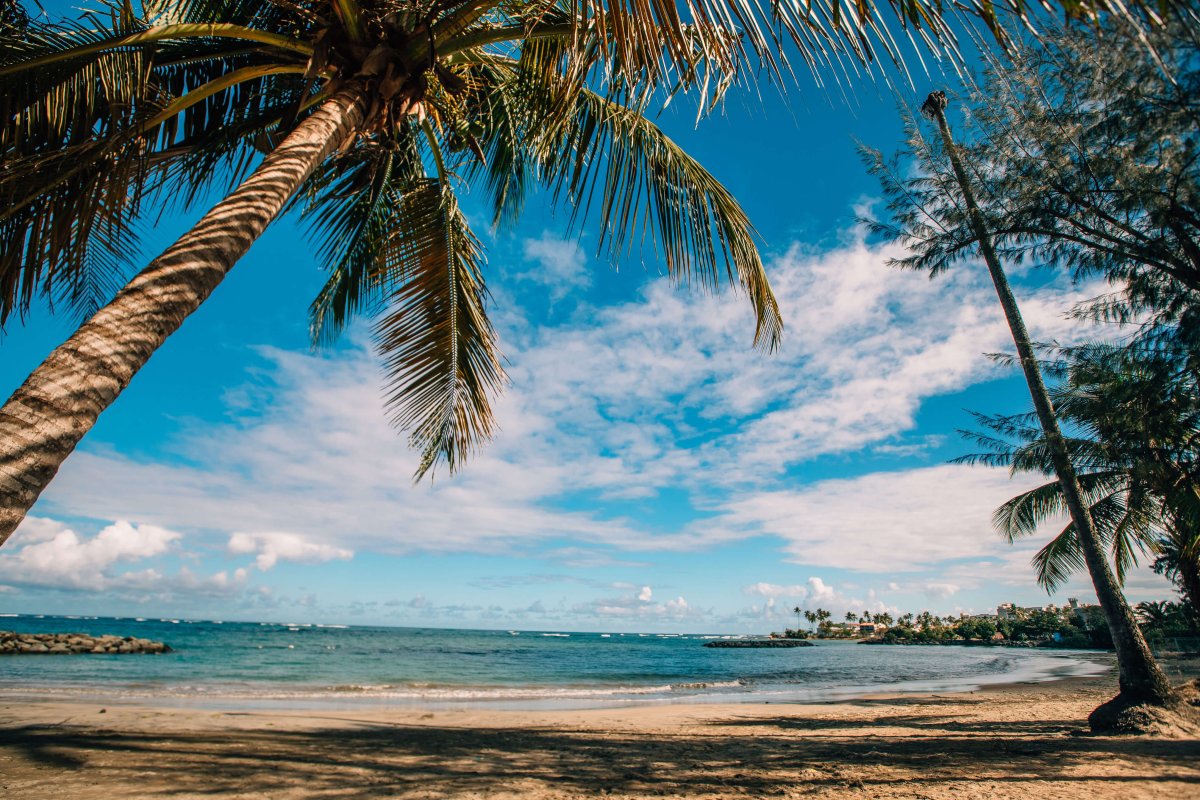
(301,665)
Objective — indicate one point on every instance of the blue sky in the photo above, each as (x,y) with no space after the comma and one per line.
(652,472)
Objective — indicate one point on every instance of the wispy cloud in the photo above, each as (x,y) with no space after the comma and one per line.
(556,263)
(661,394)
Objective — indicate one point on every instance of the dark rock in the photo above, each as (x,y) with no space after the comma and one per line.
(67,643)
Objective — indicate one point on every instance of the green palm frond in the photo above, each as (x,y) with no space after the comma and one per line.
(1059,560)
(1024,514)
(610,155)
(354,202)
(438,347)
(1125,529)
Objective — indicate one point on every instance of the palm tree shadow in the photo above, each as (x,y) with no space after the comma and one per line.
(777,755)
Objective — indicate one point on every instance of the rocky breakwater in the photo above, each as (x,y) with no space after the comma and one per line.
(50,644)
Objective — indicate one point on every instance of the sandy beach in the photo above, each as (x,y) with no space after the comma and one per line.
(1009,741)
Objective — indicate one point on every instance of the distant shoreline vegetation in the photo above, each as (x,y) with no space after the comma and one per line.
(1073,626)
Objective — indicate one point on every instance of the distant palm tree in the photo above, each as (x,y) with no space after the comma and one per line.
(851,616)
(1154,613)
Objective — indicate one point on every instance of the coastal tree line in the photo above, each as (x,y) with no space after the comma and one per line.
(368,116)
(1082,626)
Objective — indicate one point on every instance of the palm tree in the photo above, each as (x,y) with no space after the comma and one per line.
(369,111)
(1141,679)
(851,616)
(1154,613)
(1135,417)
(811,616)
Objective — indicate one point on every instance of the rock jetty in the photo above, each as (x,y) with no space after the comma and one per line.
(50,644)
(758,643)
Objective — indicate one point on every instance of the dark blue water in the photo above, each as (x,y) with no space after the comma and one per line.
(297,664)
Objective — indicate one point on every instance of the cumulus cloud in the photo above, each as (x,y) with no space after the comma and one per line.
(813,593)
(45,552)
(638,605)
(272,547)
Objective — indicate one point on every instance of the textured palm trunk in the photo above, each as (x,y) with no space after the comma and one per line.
(60,401)
(1141,679)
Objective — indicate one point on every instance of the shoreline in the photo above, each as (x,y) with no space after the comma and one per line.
(1003,741)
(549,697)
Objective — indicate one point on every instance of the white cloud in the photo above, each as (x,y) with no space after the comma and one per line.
(632,399)
(940,591)
(275,546)
(45,552)
(880,522)
(560,264)
(774,590)
(637,606)
(813,593)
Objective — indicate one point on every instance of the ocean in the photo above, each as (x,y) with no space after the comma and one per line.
(300,665)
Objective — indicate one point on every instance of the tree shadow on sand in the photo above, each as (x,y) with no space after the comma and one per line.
(770,756)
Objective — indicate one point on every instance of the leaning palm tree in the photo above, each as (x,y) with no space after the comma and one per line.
(1134,417)
(369,112)
(943,202)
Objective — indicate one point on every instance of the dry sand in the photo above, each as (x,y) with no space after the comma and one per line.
(1022,741)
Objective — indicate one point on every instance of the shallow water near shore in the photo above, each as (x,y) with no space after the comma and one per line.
(250,664)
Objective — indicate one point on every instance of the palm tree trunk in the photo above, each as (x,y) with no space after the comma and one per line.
(1141,679)
(60,401)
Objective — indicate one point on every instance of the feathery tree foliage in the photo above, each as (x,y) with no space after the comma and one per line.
(1134,418)
(1085,155)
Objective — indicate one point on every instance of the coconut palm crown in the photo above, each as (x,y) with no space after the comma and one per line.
(107,115)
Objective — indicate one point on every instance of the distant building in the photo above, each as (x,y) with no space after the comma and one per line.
(1007,611)
(1080,611)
